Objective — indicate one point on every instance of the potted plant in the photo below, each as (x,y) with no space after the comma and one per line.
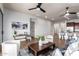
(40,39)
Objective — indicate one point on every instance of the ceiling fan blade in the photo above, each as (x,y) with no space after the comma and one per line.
(32,8)
(42,10)
(72,12)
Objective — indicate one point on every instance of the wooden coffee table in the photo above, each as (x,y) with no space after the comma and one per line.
(36,50)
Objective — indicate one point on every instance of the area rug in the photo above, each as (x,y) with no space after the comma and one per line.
(25,52)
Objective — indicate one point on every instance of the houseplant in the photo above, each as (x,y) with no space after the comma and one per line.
(40,39)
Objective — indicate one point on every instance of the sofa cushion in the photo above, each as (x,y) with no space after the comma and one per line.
(57,52)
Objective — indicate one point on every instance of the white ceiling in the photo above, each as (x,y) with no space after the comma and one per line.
(53,10)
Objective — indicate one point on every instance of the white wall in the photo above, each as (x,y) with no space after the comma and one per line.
(58,27)
(52,28)
(42,27)
(1,6)
(12,16)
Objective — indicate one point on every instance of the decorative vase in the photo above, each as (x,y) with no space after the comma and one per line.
(40,42)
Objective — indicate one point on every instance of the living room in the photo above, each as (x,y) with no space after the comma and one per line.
(32,29)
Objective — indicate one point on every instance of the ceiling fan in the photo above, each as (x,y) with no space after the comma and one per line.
(69,14)
(38,7)
(67,11)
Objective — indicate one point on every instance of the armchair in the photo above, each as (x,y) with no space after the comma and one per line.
(9,47)
(49,38)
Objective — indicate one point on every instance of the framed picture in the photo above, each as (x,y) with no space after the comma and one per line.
(19,25)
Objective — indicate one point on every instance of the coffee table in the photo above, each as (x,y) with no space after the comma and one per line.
(36,50)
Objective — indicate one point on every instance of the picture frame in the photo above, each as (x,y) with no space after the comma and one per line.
(19,25)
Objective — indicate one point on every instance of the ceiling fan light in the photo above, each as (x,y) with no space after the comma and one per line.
(38,9)
(66,16)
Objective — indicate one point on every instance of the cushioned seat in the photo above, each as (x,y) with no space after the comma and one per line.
(9,43)
(71,48)
(76,53)
(57,52)
(49,38)
(9,49)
